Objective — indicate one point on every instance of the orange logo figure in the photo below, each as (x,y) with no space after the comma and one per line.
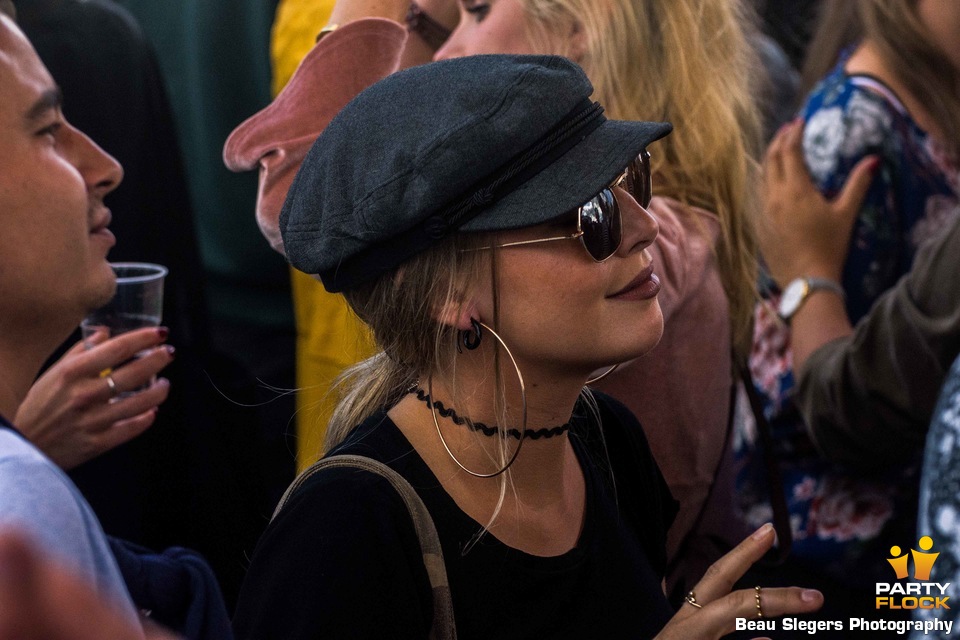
(923,562)
(898,562)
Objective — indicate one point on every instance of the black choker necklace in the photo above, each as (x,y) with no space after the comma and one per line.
(533,434)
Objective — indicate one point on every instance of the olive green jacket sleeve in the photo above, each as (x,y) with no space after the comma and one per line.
(868,398)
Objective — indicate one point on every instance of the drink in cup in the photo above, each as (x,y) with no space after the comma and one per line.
(137,303)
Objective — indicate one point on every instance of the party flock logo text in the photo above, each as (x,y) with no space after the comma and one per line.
(914,592)
(920,594)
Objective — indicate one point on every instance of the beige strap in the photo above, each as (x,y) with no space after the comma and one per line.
(443,627)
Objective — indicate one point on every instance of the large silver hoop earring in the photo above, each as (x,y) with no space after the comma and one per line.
(601,376)
(523,398)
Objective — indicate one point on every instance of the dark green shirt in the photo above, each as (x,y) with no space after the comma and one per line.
(214,55)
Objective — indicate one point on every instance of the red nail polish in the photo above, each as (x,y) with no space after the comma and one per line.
(163,332)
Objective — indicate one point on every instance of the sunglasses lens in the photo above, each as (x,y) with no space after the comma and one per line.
(639,179)
(601,227)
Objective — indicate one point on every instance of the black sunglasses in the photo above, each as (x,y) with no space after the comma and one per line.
(599,221)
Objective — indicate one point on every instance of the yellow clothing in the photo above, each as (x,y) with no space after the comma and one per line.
(329,339)
(329,336)
(293,34)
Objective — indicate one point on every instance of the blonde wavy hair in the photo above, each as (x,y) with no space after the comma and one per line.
(690,62)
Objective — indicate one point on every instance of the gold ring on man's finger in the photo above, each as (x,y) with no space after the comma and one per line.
(691,598)
(759,607)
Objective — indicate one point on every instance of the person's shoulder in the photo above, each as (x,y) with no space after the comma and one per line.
(639,481)
(341,545)
(344,523)
(348,492)
(618,421)
(38,497)
(24,470)
(848,120)
(860,102)
(611,407)
(377,437)
(337,551)
(14,448)
(31,486)
(848,91)
(335,488)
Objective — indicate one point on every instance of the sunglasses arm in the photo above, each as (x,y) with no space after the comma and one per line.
(521,243)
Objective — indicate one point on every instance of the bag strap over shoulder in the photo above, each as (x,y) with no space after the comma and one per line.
(443,626)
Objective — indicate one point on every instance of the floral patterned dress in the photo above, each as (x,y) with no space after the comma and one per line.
(844,522)
(940,496)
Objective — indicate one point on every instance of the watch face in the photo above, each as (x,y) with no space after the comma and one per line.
(792,296)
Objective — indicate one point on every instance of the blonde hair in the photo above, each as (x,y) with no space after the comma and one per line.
(690,62)
(400,309)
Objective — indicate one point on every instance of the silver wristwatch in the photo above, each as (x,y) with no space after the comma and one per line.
(796,293)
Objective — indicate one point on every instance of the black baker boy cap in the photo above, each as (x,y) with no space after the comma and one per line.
(482,143)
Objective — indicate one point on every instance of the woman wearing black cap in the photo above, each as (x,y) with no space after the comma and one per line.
(486,220)
(688,61)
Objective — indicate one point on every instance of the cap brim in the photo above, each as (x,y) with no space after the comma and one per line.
(573,179)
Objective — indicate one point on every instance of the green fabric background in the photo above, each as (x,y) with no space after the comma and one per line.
(214,55)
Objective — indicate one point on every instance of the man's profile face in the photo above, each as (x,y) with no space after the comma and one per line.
(52,183)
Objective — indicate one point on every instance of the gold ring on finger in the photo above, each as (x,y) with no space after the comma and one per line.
(691,598)
(757,596)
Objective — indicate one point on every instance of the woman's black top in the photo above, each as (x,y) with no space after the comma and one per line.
(342,559)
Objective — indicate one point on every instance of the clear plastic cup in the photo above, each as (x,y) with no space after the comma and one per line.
(138,302)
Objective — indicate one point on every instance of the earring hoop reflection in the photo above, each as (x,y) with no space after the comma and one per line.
(523,398)
(601,376)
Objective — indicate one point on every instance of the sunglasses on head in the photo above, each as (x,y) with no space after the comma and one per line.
(599,222)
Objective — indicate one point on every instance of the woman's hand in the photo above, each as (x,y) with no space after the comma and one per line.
(721,608)
(71,412)
(802,233)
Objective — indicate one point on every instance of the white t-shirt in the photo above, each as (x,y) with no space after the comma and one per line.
(37,498)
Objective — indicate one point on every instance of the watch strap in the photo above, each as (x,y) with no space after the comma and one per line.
(823,284)
(810,285)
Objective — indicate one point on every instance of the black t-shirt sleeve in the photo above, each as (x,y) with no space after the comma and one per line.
(341,560)
(643,492)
